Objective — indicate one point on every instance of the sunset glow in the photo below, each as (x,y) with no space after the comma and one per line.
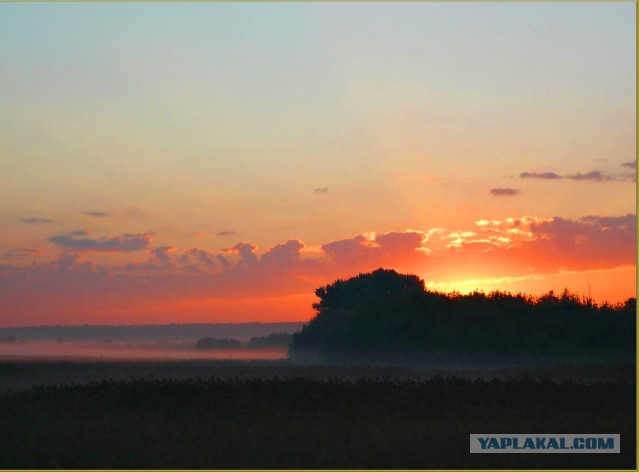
(217,162)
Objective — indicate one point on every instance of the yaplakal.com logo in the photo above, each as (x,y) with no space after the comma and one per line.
(544,443)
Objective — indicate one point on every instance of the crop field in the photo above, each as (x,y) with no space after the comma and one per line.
(272,416)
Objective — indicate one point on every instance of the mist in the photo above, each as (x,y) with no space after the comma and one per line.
(53,350)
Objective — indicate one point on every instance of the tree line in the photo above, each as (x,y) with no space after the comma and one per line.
(273,340)
(384,315)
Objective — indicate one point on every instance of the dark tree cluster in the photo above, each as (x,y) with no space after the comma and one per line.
(274,340)
(387,316)
(210,343)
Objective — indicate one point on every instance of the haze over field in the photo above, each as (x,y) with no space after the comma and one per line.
(257,341)
(216,162)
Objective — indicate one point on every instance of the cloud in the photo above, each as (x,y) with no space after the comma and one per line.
(224,262)
(35,220)
(246,252)
(18,253)
(527,245)
(123,243)
(203,256)
(349,250)
(285,268)
(540,175)
(624,221)
(222,233)
(398,244)
(372,250)
(498,191)
(590,176)
(321,190)
(162,256)
(509,247)
(589,242)
(630,176)
(596,176)
(27,251)
(284,254)
(70,261)
(96,213)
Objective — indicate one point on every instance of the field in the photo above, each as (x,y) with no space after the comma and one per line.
(276,415)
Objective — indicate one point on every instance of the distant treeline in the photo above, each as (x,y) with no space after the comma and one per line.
(147,332)
(386,316)
(273,340)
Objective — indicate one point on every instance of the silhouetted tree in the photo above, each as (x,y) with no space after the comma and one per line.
(384,315)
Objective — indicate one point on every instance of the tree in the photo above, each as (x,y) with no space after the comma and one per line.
(366,288)
(387,316)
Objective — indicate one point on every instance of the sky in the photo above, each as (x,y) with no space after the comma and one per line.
(217,162)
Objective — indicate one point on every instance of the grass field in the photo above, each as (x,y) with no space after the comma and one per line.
(205,415)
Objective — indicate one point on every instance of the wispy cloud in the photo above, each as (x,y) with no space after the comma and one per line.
(540,175)
(596,176)
(321,190)
(630,164)
(35,220)
(221,233)
(18,253)
(504,191)
(97,213)
(590,176)
(123,243)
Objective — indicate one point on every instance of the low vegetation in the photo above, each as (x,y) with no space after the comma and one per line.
(302,423)
(271,341)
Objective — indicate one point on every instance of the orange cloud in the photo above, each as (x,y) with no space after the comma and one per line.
(512,252)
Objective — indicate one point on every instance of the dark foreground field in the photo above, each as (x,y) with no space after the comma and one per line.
(288,421)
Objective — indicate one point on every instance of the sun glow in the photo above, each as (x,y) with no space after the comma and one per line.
(468,286)
(609,285)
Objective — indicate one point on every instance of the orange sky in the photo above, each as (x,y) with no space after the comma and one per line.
(242,283)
